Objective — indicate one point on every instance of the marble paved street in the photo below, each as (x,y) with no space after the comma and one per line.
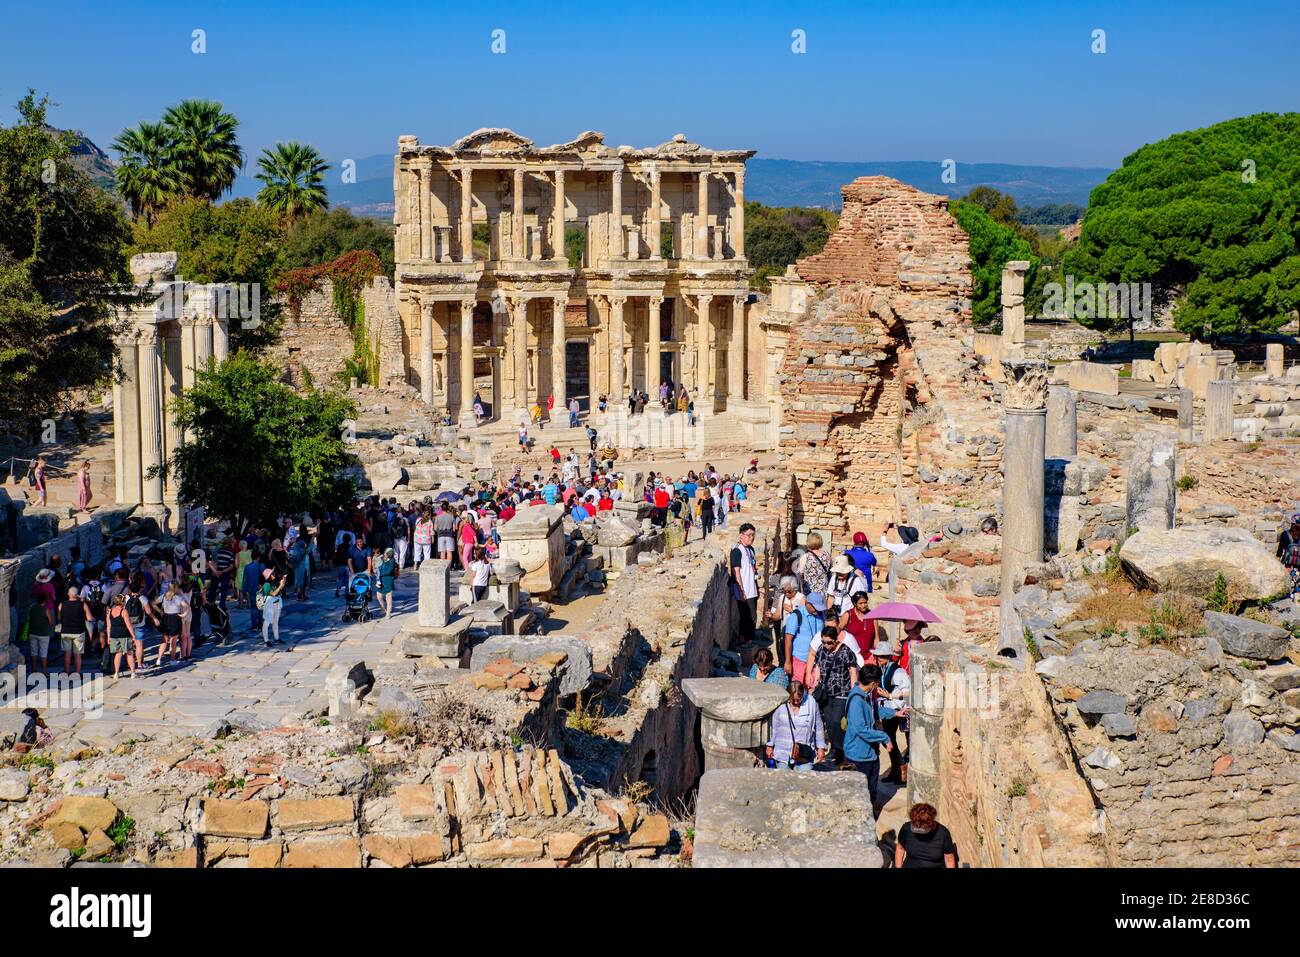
(273,684)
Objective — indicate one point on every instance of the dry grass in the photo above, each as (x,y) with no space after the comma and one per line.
(1116,609)
(394,724)
(584,716)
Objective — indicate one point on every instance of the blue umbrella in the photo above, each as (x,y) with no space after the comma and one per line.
(447,496)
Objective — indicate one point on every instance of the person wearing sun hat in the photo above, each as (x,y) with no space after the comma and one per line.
(896,686)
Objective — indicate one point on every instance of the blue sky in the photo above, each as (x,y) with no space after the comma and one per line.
(978,82)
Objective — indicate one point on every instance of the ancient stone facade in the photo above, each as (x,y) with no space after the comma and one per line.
(884,332)
(602,270)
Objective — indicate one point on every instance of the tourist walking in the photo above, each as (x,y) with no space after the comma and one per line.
(74,614)
(574,409)
(121,634)
(863,735)
(386,576)
(814,567)
(834,672)
(744,582)
(84,492)
(923,841)
(251,583)
(273,583)
(171,605)
(798,737)
(802,626)
(38,478)
(896,686)
(766,670)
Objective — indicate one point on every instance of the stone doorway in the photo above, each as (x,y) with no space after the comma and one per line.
(577,372)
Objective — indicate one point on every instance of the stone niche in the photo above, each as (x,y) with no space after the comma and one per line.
(535,539)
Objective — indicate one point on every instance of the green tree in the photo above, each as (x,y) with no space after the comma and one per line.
(233,242)
(323,237)
(256,449)
(61,242)
(1212,215)
(992,246)
(294,178)
(205,147)
(147,174)
(775,236)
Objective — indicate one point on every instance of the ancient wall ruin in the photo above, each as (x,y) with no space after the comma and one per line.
(888,334)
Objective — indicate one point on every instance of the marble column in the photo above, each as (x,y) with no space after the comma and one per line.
(221,339)
(426,353)
(467,362)
(617,360)
(656,228)
(466,215)
(736,350)
(557,219)
(1013,305)
(202,342)
(738,217)
(1274,360)
(1185,432)
(654,348)
(519,349)
(1062,423)
(151,420)
(1024,402)
(702,217)
(424,181)
(172,380)
(616,216)
(126,421)
(1218,409)
(704,355)
(557,354)
(518,237)
(187,324)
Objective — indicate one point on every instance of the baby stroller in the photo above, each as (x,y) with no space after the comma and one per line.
(218,624)
(361,589)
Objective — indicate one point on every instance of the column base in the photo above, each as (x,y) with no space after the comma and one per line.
(467,420)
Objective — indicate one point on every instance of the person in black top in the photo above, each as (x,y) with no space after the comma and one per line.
(923,841)
(74,613)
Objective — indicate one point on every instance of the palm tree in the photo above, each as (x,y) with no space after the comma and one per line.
(204,141)
(294,174)
(147,174)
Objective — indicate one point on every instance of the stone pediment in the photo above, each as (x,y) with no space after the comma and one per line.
(496,140)
(589,143)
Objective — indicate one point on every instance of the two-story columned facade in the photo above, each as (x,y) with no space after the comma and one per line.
(571,270)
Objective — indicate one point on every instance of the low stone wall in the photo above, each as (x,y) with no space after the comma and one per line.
(1088,377)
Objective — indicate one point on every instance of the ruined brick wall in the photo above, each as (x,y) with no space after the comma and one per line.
(384,327)
(889,332)
(318,340)
(1195,763)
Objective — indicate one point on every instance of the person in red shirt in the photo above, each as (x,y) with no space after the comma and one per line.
(605,504)
(661,500)
(555,455)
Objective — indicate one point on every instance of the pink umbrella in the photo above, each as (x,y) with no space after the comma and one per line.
(901,611)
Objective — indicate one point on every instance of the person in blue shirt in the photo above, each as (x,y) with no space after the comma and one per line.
(803,626)
(550,492)
(862,737)
(863,559)
(579,512)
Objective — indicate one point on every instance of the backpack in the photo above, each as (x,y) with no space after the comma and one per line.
(397,527)
(95,595)
(134,608)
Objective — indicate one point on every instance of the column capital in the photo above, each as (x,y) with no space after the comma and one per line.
(147,335)
(618,173)
(467,306)
(617,299)
(740,300)
(518,303)
(656,300)
(704,298)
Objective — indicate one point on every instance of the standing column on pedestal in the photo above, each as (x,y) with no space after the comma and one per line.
(617,362)
(151,420)
(702,217)
(1013,305)
(519,349)
(736,349)
(557,219)
(557,353)
(1062,423)
(1024,402)
(126,422)
(467,362)
(616,216)
(517,234)
(466,215)
(656,229)
(704,355)
(1275,360)
(426,353)
(654,348)
(738,217)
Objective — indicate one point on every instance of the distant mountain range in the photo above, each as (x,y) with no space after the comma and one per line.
(773,182)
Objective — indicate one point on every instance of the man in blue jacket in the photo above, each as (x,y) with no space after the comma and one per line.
(862,735)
